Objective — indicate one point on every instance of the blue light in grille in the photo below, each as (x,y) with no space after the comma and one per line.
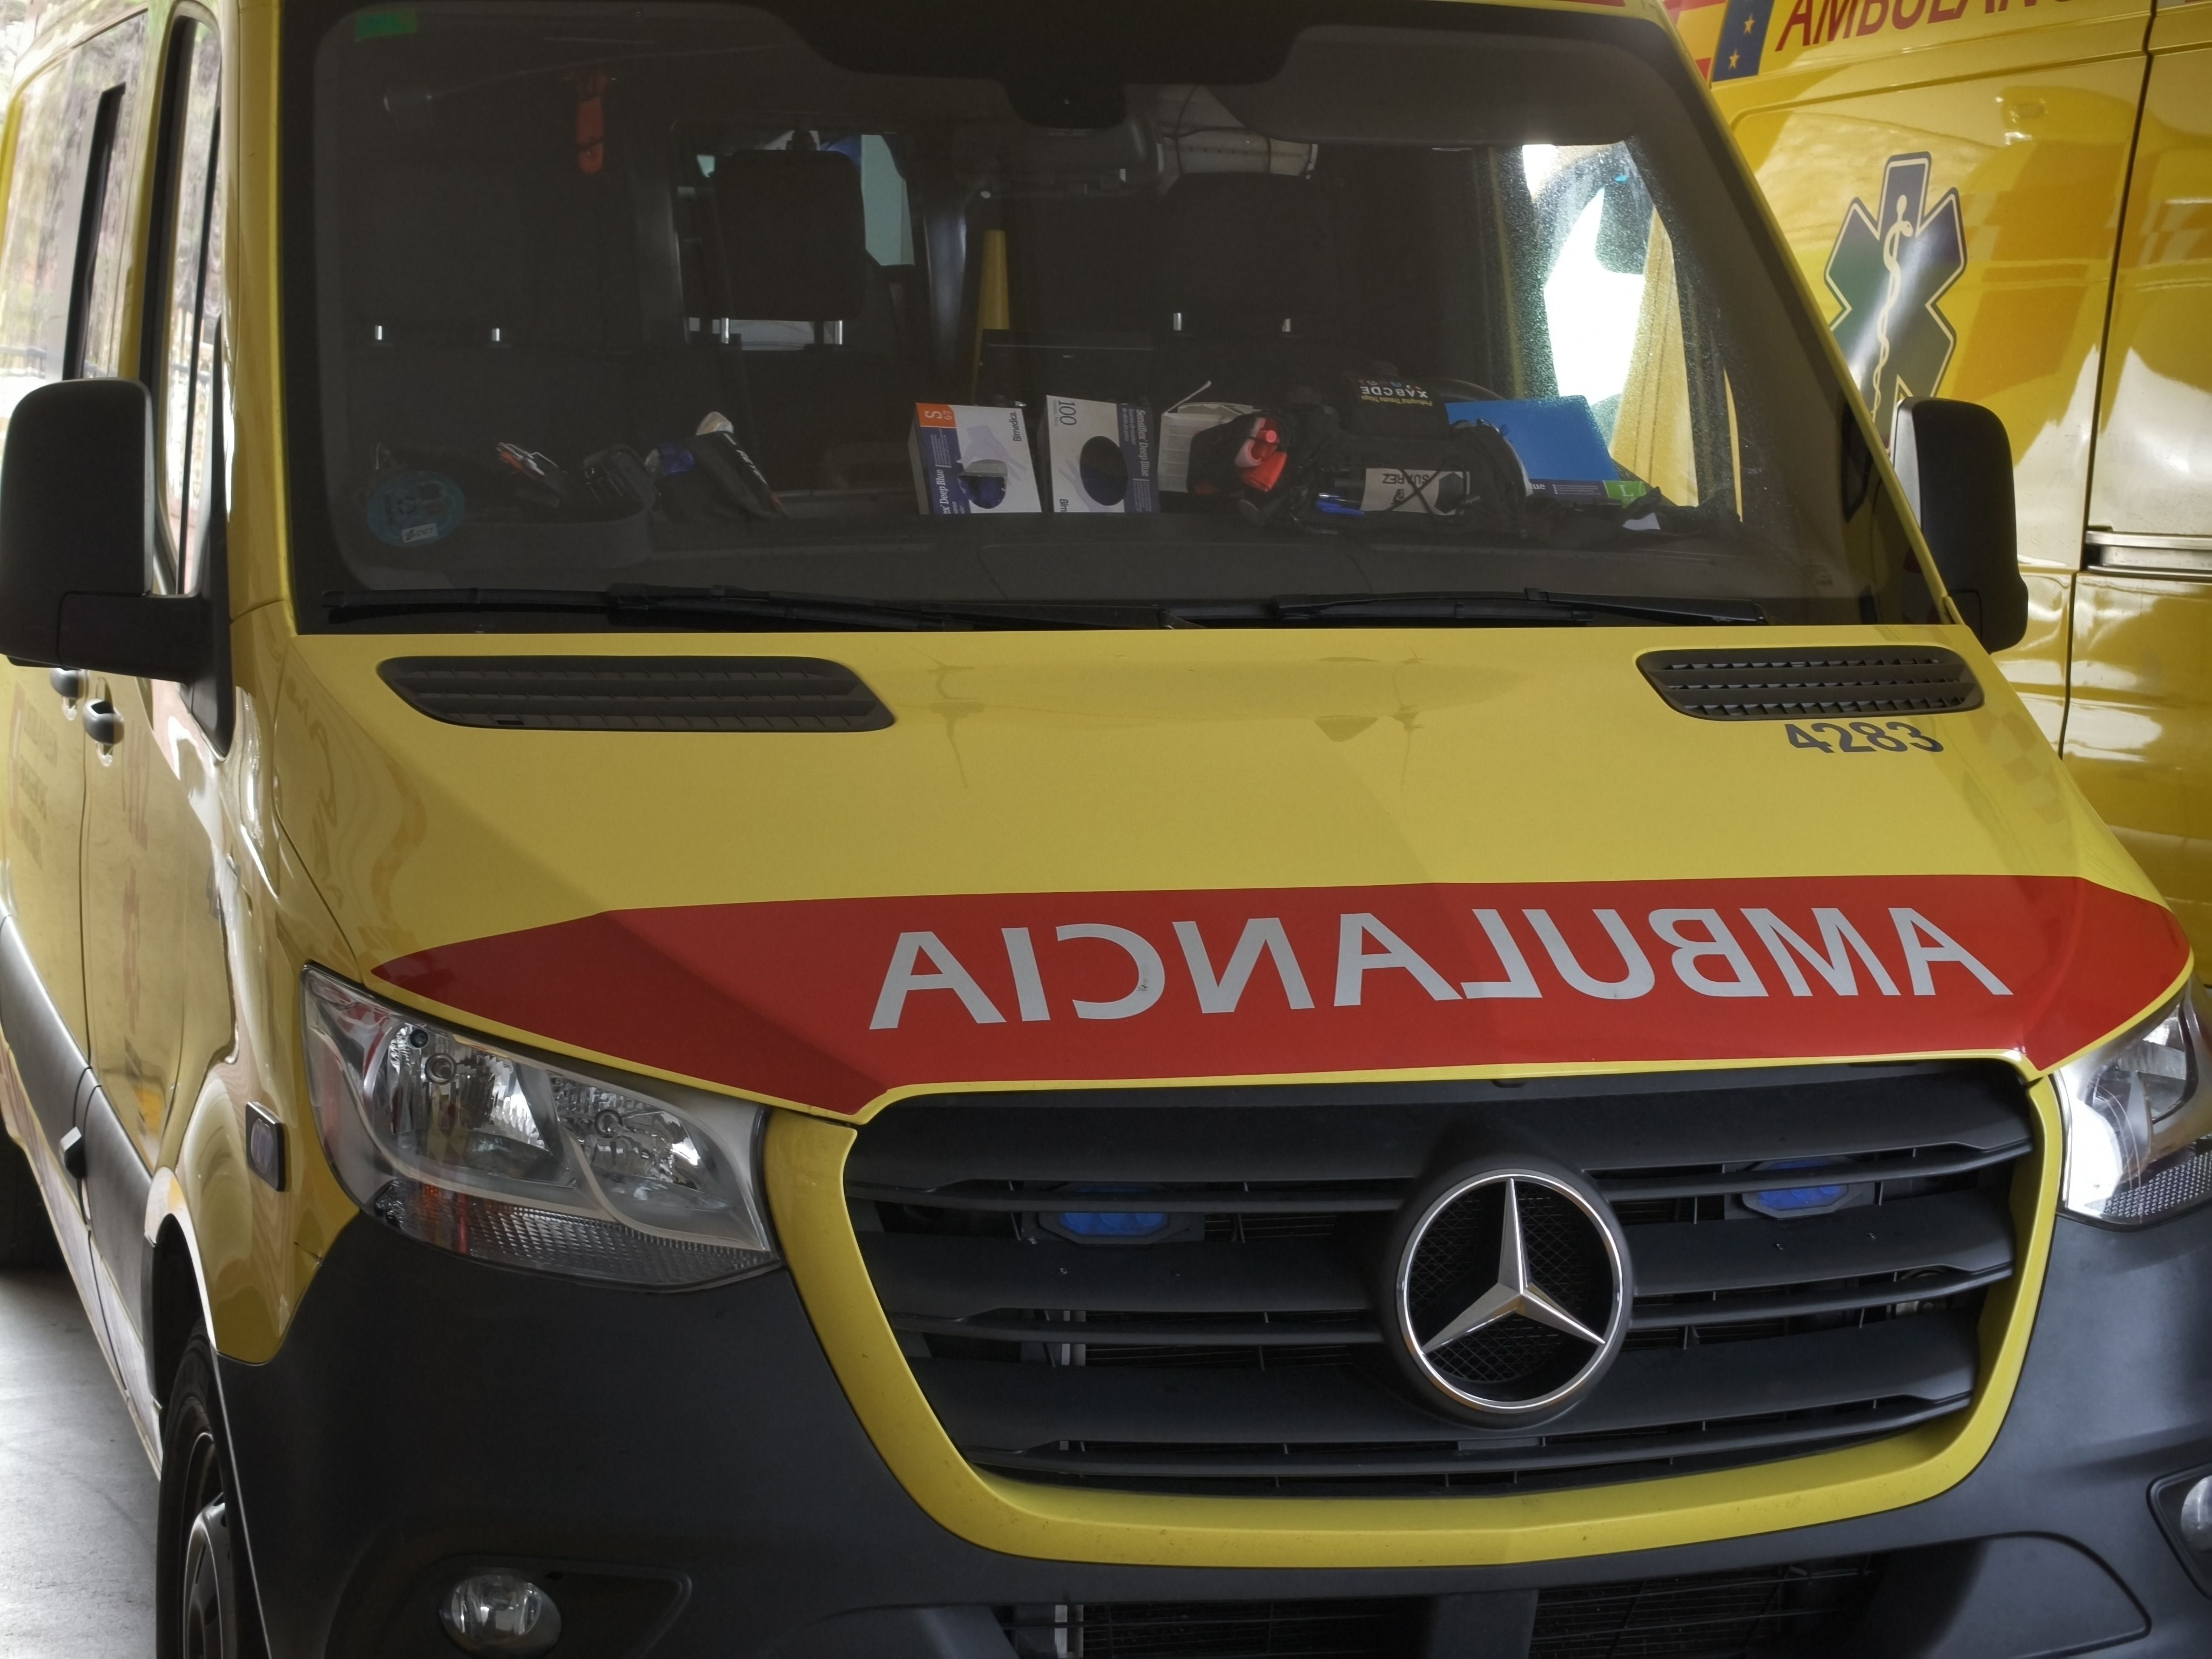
(1112,1224)
(1785,1202)
(1117,1225)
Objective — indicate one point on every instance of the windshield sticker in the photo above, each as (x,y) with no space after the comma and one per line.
(833,1002)
(1889,267)
(413,509)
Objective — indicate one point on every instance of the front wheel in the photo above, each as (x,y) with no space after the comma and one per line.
(204,1592)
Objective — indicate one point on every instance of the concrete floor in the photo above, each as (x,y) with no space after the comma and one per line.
(76,1494)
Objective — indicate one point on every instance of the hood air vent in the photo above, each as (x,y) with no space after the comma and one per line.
(639,694)
(1842,680)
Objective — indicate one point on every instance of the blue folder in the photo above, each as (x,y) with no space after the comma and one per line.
(1557,438)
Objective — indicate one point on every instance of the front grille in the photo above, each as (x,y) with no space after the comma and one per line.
(1837,681)
(1716,1616)
(1241,1349)
(1214,1629)
(1759,1613)
(638,694)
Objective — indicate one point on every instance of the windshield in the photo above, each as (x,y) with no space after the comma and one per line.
(629,313)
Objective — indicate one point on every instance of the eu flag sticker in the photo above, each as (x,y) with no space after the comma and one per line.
(1743,38)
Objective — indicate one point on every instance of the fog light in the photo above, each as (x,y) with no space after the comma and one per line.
(2196,1517)
(500,1613)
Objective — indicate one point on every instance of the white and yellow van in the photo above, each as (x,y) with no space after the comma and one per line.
(905,830)
(2012,203)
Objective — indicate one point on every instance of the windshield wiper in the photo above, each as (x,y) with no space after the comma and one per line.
(1533,607)
(709,607)
(740,607)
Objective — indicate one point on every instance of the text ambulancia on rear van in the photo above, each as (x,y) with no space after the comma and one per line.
(989,832)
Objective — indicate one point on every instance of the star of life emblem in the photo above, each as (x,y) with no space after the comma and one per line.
(1890,266)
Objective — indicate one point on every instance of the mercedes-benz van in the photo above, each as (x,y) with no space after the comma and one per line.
(975,831)
(2014,205)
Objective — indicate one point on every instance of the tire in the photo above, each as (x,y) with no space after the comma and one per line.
(27,1240)
(205,1606)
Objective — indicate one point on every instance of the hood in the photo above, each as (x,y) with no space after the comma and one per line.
(1139,857)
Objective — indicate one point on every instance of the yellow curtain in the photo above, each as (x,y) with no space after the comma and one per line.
(1651,434)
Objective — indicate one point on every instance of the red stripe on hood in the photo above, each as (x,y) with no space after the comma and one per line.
(832,1002)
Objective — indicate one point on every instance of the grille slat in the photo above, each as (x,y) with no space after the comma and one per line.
(1301,1465)
(1897,1166)
(959,1278)
(1337,1200)
(1139,1333)
(638,694)
(990,1407)
(1252,1344)
(1837,682)
(1861,1295)
(1968,1232)
(1214,1630)
(1653,1124)
(1722,1616)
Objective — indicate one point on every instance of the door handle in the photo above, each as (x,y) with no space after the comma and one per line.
(72,1151)
(102,724)
(68,682)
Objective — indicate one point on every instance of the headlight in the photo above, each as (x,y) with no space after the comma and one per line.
(503,1158)
(2139,1122)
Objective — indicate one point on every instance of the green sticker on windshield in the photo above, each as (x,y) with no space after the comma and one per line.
(383,25)
(1627,489)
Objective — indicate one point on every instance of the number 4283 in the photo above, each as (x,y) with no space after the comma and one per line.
(1862,737)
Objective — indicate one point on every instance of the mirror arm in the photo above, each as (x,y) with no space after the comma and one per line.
(158,636)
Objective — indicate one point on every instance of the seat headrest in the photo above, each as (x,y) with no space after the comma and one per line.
(1244,251)
(794,236)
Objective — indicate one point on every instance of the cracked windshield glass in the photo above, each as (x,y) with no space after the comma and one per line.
(674,313)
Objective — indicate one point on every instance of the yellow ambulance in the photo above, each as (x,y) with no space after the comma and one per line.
(2012,203)
(985,831)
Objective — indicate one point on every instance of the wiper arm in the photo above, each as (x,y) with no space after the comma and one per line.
(341,605)
(1533,607)
(639,603)
(725,606)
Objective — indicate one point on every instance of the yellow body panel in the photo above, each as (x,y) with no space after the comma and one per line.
(2079,140)
(2139,734)
(2139,737)
(2154,417)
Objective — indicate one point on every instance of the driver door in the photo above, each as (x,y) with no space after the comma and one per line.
(157,997)
(63,266)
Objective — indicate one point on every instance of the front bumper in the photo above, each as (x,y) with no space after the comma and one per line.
(689,1467)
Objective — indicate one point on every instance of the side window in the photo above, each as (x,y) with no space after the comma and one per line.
(39,262)
(883,190)
(184,308)
(63,267)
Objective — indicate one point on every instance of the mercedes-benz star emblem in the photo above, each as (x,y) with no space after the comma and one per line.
(1511,1289)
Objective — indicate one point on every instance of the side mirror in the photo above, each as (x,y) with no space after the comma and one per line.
(1955,463)
(78,489)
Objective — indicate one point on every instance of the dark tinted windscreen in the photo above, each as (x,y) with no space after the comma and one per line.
(654,297)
